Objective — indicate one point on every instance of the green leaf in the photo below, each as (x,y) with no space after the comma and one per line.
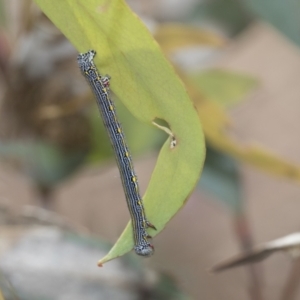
(226,88)
(141,137)
(100,147)
(146,83)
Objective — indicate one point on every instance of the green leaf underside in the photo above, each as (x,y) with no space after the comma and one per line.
(145,82)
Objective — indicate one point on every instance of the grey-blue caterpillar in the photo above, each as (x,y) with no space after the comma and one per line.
(100,87)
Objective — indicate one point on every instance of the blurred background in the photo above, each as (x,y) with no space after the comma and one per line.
(240,62)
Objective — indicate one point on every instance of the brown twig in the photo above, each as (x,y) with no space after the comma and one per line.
(243,233)
(292,283)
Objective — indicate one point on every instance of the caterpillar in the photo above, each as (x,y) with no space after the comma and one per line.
(100,86)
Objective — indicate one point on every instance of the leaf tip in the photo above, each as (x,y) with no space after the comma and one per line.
(99,264)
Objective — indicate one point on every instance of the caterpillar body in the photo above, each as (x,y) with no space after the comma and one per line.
(100,87)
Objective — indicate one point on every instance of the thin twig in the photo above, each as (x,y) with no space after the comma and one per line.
(243,233)
(292,283)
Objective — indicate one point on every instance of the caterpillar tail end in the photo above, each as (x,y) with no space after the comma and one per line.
(145,251)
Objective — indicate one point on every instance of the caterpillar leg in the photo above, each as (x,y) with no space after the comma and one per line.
(106,81)
(148,224)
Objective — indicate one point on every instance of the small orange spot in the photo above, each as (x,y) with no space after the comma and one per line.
(99,265)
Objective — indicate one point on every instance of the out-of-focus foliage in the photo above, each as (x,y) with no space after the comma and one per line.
(166,288)
(221,178)
(44,162)
(174,36)
(2,14)
(283,14)
(231,15)
(235,15)
(225,87)
(43,126)
(216,124)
